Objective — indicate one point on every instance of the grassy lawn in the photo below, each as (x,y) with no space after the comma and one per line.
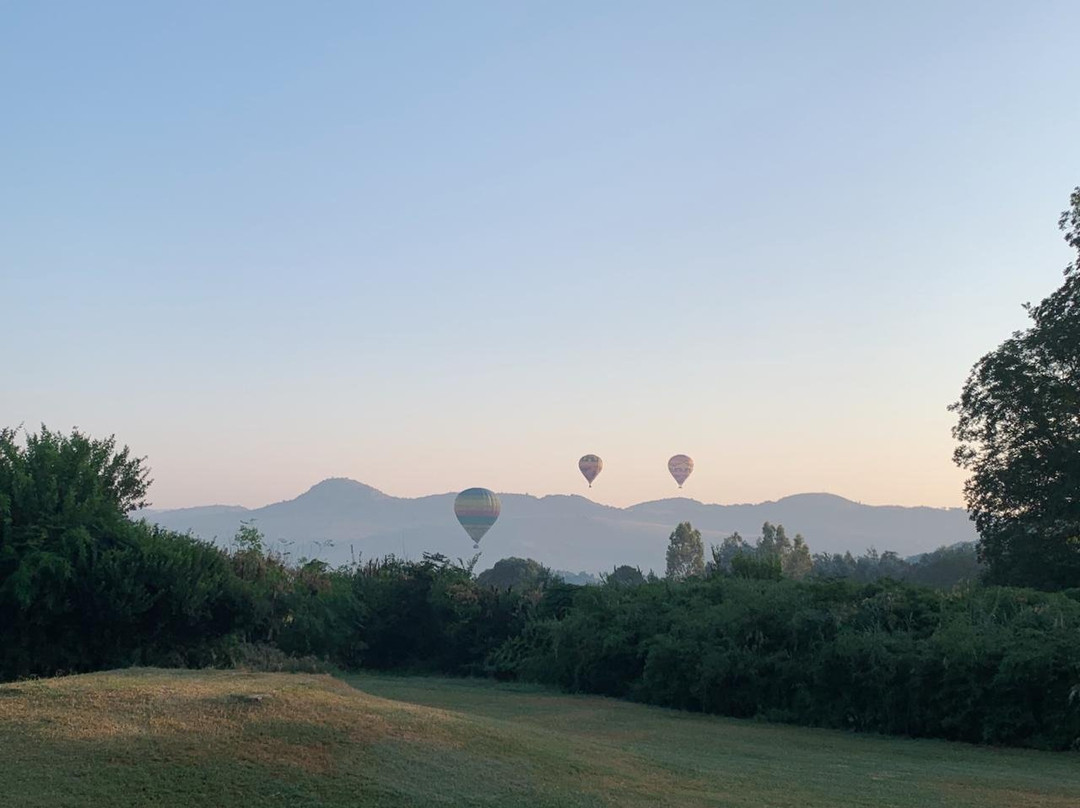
(156,738)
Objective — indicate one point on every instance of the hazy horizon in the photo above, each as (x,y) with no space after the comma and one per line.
(436,247)
(587,495)
(584,495)
(334,520)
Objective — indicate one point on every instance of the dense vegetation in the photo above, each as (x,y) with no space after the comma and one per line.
(982,664)
(84,588)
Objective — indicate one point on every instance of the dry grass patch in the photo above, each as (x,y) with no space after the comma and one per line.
(282,719)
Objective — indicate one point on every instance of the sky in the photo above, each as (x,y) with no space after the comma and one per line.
(435,245)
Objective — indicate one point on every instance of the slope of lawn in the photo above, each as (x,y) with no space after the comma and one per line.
(196,738)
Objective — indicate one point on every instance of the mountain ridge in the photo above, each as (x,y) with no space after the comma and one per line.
(339,518)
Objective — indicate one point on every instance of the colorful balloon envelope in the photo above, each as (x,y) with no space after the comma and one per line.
(590,465)
(680,467)
(477,509)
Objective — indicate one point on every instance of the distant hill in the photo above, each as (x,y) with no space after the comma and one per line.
(562,532)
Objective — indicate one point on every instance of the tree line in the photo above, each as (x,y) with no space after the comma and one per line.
(772,557)
(775,555)
(82,587)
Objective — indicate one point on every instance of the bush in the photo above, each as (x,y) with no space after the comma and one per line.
(262,658)
(980,665)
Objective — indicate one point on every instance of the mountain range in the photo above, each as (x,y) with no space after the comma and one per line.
(339,519)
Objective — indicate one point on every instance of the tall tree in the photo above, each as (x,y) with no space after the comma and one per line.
(774,540)
(797,562)
(685,553)
(1019,435)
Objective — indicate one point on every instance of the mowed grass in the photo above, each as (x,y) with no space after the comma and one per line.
(215,738)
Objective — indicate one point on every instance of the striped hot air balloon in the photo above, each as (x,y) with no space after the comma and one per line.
(590,465)
(680,467)
(477,509)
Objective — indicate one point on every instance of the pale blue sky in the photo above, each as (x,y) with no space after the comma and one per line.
(431,246)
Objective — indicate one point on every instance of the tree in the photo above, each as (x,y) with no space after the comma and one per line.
(53,472)
(774,540)
(723,553)
(83,587)
(515,573)
(757,566)
(625,575)
(797,563)
(774,556)
(63,500)
(946,567)
(685,553)
(1018,430)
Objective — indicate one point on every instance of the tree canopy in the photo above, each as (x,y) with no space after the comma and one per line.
(515,573)
(685,553)
(1019,435)
(63,501)
(625,575)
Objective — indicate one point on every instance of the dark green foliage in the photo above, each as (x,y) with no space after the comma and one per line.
(431,615)
(521,574)
(81,586)
(625,575)
(982,665)
(759,567)
(1019,436)
(84,588)
(944,568)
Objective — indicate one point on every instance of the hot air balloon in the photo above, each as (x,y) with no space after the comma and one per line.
(680,467)
(590,465)
(477,509)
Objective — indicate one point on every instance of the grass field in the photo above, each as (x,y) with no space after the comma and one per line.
(156,738)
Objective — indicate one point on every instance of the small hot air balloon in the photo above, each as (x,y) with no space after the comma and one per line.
(590,465)
(680,467)
(477,509)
